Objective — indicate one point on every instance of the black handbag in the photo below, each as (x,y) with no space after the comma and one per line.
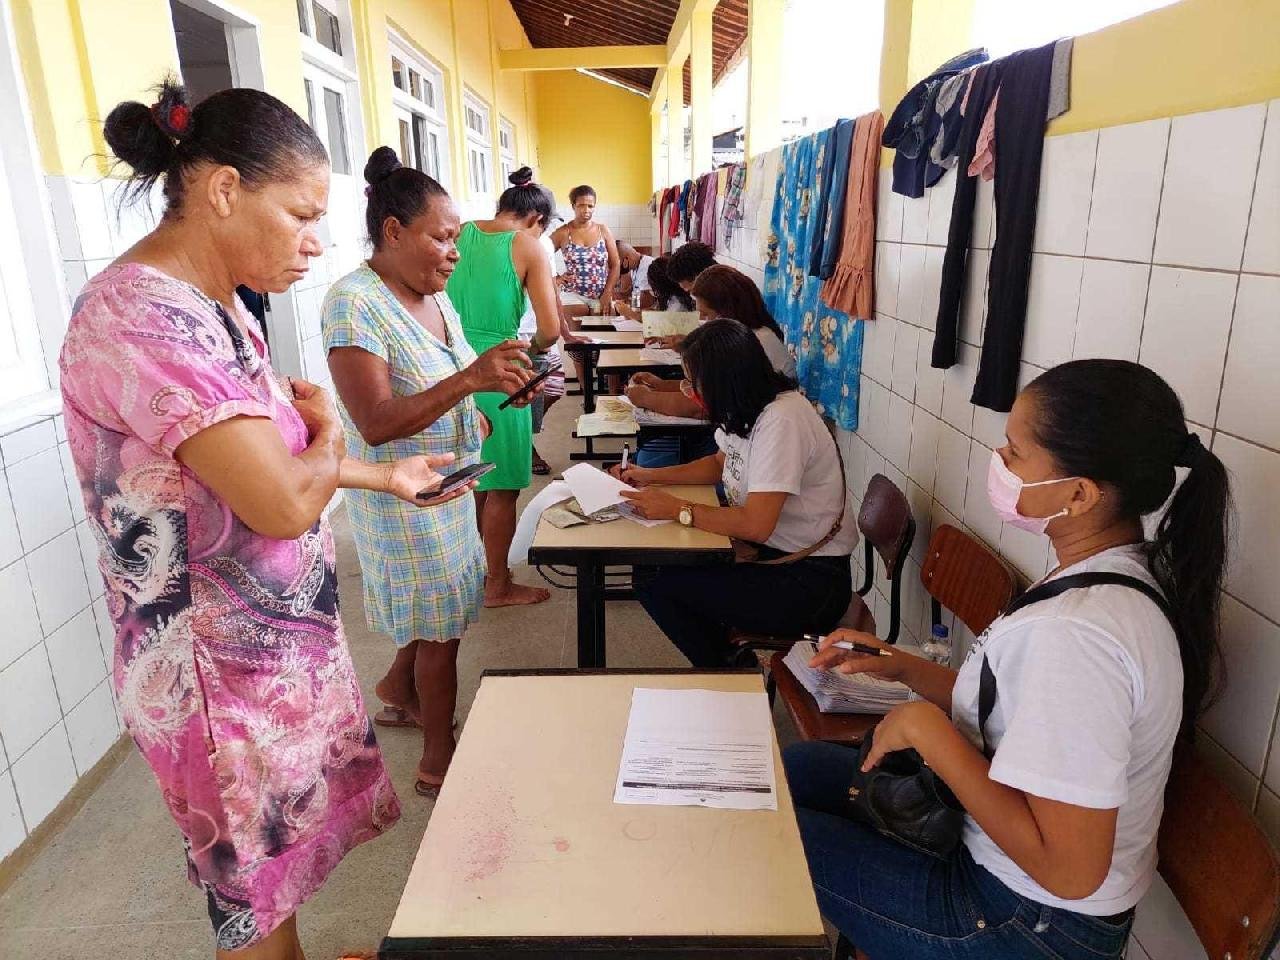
(903,797)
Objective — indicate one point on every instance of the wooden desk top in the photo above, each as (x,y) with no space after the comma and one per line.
(526,841)
(625,535)
(629,359)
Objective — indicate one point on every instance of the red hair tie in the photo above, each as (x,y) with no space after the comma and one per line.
(175,121)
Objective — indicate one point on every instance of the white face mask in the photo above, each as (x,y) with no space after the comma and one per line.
(1004,489)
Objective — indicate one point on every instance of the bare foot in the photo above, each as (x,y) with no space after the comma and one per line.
(513,594)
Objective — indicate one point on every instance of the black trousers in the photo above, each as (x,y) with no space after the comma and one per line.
(1023,82)
(696,607)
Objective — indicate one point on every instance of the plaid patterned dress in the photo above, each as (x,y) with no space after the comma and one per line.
(423,569)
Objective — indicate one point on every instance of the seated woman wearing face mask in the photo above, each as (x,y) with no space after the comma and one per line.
(1091,687)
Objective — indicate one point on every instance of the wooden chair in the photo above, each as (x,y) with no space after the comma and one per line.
(1214,856)
(960,574)
(887,529)
(1219,864)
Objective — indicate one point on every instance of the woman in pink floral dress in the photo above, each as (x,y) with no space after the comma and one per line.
(205,478)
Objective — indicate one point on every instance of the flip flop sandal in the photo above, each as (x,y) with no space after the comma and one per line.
(423,788)
(394,717)
(541,468)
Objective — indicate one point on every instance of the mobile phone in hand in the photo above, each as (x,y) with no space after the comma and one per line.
(525,391)
(455,480)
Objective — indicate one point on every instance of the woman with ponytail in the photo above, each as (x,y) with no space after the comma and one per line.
(1111,656)
(503,271)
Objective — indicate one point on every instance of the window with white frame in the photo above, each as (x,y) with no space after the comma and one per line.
(479,145)
(419,101)
(320,21)
(506,147)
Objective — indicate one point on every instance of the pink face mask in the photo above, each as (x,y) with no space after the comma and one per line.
(1004,489)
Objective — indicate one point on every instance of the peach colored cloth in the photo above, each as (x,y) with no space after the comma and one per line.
(850,289)
(984,151)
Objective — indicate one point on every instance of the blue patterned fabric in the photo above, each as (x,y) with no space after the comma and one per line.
(827,344)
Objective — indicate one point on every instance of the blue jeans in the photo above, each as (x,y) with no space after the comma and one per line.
(671,450)
(893,901)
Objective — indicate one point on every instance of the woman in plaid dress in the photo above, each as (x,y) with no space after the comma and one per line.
(406,376)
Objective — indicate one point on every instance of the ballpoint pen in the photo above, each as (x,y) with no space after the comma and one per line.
(851,645)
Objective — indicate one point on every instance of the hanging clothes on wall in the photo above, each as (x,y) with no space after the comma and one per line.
(707,185)
(827,344)
(1022,81)
(731,212)
(914,126)
(950,109)
(762,181)
(686,209)
(851,285)
(830,212)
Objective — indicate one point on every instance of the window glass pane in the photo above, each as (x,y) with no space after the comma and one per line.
(327,30)
(303,25)
(336,120)
(415,84)
(433,154)
(406,144)
(397,73)
(311,103)
(419,143)
(429,92)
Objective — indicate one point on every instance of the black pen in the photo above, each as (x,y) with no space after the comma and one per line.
(850,645)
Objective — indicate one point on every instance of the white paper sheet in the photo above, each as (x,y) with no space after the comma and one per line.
(593,488)
(627,511)
(649,418)
(660,355)
(663,323)
(623,325)
(701,748)
(603,425)
(527,527)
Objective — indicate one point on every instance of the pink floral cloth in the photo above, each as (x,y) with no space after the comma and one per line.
(231,668)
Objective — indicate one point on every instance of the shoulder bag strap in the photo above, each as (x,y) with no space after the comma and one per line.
(1045,591)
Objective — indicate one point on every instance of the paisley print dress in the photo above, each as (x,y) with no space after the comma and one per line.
(231,668)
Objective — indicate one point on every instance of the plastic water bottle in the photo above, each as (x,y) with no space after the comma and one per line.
(635,296)
(938,649)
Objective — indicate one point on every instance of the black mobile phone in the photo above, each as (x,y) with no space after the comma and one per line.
(455,480)
(525,390)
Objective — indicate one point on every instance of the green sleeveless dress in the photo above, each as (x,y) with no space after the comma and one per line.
(490,299)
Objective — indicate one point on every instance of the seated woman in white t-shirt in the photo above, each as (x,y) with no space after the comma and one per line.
(785,489)
(1092,687)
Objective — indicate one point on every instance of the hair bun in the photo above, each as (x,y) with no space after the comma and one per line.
(144,136)
(521,178)
(382,163)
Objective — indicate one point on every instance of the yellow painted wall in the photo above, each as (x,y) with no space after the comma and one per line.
(461,37)
(82,57)
(592,132)
(1191,56)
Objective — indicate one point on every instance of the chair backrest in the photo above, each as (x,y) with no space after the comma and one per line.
(1218,862)
(967,578)
(885,522)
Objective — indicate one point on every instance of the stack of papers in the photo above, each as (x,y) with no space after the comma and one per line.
(701,748)
(623,325)
(599,495)
(649,418)
(843,692)
(614,416)
(664,323)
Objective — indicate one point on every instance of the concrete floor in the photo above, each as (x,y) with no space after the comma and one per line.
(113,883)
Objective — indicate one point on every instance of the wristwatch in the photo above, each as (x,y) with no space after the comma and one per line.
(686,515)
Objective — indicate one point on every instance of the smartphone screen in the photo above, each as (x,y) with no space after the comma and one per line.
(525,390)
(457,479)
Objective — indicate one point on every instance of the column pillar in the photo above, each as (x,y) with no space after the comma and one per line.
(677,172)
(764,75)
(700,90)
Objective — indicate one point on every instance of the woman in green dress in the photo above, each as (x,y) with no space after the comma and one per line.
(406,377)
(502,272)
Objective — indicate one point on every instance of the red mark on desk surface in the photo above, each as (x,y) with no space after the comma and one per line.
(489,840)
(562,845)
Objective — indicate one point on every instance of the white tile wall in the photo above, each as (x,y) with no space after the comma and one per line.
(54,721)
(1141,234)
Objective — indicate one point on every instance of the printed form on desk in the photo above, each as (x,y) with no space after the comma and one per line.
(701,748)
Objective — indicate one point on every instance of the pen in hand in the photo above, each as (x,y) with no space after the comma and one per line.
(850,645)
(626,455)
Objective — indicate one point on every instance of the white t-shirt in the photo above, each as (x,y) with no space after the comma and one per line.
(640,276)
(777,352)
(791,451)
(529,320)
(1088,703)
